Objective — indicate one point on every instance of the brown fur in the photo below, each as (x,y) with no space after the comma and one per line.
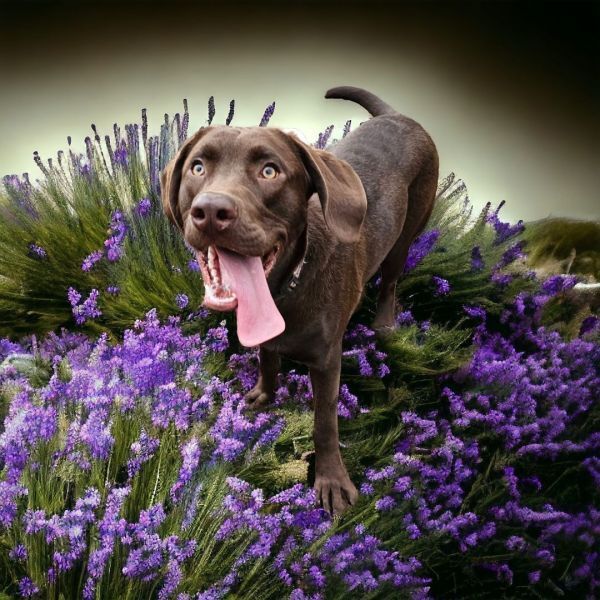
(358,207)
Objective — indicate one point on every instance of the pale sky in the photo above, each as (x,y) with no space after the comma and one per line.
(510,129)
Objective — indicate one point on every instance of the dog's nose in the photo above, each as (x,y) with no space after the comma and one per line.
(213,212)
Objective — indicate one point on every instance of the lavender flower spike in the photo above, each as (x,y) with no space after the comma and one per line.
(267,115)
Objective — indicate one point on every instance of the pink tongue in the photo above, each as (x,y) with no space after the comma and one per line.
(258,319)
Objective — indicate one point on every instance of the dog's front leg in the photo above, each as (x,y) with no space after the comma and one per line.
(334,488)
(263,393)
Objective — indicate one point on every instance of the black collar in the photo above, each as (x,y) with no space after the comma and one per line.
(291,283)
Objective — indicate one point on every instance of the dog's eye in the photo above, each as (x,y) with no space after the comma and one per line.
(269,172)
(198,167)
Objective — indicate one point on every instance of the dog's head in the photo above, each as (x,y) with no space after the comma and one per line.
(246,190)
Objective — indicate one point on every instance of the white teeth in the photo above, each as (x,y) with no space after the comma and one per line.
(211,264)
(216,290)
(211,293)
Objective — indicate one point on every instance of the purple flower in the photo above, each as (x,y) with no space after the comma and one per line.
(290,522)
(346,128)
(192,507)
(36,251)
(420,248)
(172,405)
(91,259)
(143,208)
(504,231)
(267,115)
(18,553)
(27,589)
(7,348)
(216,339)
(501,279)
(182,301)
(589,324)
(558,283)
(172,580)
(193,265)
(19,192)
(475,312)
(118,229)
(113,249)
(384,504)
(73,296)
(149,554)
(236,431)
(371,361)
(143,450)
(121,154)
(367,489)
(110,527)
(190,453)
(513,253)
(405,318)
(442,287)
(86,310)
(230,113)
(534,576)
(502,571)
(347,403)
(96,434)
(323,138)
(477,263)
(67,530)
(512,483)
(516,543)
(211,109)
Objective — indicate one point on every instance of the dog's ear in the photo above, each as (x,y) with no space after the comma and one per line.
(340,191)
(170,179)
(166,176)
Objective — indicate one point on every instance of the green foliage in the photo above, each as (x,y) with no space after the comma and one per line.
(567,242)
(451,259)
(68,215)
(435,351)
(72,213)
(53,487)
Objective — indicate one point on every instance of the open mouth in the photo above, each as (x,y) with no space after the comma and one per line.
(219,280)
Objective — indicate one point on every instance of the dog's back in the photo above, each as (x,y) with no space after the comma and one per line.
(397,163)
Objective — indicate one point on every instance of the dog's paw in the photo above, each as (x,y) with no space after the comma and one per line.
(383,331)
(335,492)
(258,399)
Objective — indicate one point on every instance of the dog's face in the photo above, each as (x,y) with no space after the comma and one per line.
(241,189)
(246,190)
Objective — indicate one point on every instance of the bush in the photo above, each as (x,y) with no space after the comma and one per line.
(131,469)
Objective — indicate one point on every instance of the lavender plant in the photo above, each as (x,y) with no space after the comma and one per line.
(130,466)
(112,465)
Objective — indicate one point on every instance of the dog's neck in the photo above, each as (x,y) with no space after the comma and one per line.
(292,267)
(306,257)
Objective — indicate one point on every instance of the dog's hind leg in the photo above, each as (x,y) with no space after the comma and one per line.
(391,269)
(421,196)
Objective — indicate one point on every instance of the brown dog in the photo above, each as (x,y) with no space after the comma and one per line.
(289,235)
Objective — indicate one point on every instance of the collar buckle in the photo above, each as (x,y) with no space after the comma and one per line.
(295,278)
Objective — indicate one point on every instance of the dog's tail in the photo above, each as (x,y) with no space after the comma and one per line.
(367,100)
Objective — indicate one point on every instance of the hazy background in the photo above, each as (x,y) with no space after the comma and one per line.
(509,91)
